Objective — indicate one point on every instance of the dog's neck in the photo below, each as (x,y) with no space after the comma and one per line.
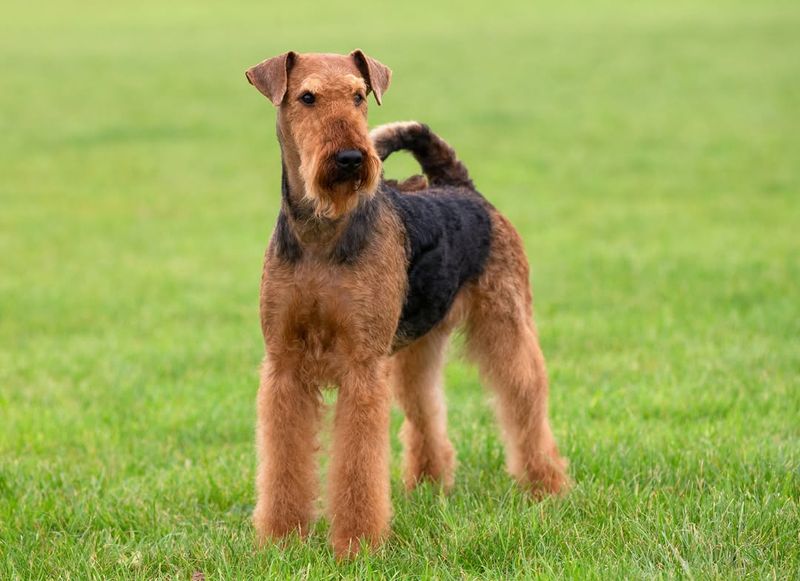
(293,191)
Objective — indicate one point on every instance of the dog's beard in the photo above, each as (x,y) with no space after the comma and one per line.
(333,194)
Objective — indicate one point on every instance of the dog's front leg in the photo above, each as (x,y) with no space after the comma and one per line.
(286,487)
(359,498)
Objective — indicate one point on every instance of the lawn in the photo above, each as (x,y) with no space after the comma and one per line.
(649,153)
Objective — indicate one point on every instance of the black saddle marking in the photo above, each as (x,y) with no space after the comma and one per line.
(448,233)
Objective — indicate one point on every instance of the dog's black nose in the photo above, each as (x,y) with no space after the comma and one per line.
(349,159)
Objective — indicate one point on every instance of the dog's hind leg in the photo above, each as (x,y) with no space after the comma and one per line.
(418,387)
(502,339)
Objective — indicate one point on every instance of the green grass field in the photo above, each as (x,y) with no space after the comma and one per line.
(648,152)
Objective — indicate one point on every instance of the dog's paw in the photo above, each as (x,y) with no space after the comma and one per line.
(548,478)
(347,546)
(273,528)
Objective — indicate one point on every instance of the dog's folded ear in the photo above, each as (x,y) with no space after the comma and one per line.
(375,73)
(270,77)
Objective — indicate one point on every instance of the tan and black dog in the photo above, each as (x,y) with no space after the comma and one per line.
(364,280)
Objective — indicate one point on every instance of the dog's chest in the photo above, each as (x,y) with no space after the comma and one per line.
(310,310)
(323,315)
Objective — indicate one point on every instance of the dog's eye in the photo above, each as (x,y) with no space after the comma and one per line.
(359,98)
(308,98)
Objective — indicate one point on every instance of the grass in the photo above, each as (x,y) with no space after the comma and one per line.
(648,152)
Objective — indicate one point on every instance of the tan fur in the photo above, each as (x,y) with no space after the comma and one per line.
(309,136)
(328,324)
(329,328)
(415,183)
(419,389)
(502,339)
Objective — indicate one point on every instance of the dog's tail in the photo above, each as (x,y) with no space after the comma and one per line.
(437,159)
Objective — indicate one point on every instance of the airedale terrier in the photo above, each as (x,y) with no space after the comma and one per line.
(364,280)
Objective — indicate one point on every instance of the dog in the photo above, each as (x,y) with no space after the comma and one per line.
(364,280)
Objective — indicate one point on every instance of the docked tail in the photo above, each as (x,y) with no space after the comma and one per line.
(435,156)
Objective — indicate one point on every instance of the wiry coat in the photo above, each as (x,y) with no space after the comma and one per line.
(364,280)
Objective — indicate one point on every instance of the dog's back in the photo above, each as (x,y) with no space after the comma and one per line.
(447,226)
(448,236)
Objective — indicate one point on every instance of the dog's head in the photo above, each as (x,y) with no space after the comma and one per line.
(322,122)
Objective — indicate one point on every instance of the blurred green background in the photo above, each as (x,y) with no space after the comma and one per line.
(648,152)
